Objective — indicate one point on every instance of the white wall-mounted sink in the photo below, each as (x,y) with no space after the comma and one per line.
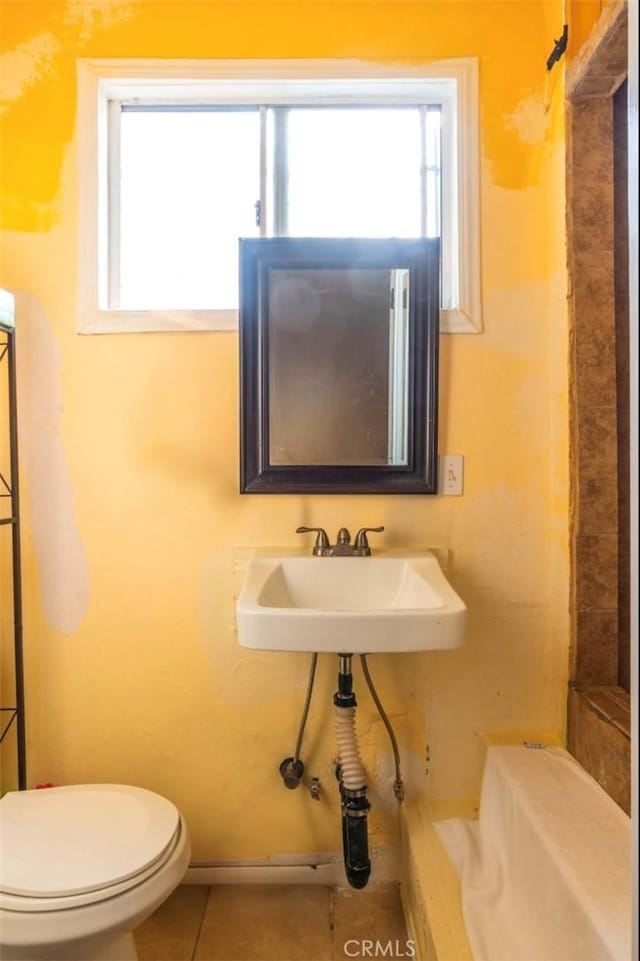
(349,605)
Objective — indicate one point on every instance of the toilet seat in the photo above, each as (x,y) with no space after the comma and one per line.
(119,836)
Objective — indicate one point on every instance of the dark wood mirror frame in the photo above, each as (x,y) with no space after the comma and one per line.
(257,258)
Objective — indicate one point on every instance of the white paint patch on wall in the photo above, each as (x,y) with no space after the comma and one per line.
(28,62)
(528,120)
(25,64)
(64,570)
(95,16)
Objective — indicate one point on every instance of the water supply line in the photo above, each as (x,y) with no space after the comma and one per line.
(398,784)
(349,771)
(292,768)
(351,775)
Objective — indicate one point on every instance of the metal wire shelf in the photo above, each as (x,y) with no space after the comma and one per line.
(15,715)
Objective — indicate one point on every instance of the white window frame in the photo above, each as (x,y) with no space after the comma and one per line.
(104,84)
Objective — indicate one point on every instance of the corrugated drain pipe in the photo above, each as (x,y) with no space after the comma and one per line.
(353,788)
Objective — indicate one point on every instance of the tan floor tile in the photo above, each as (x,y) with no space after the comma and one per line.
(372,915)
(171,933)
(266,923)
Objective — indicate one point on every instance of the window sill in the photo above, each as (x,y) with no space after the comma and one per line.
(184,321)
(157,321)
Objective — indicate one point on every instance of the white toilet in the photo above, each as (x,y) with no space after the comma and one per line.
(81,867)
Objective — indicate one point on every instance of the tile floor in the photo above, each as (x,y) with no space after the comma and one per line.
(273,923)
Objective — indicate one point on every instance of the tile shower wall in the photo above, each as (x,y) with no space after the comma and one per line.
(598,706)
(595,386)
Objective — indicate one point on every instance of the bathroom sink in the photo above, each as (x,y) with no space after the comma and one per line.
(349,605)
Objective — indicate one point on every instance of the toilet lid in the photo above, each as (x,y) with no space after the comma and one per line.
(69,840)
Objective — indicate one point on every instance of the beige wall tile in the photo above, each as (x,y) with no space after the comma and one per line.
(597,440)
(597,571)
(601,748)
(591,127)
(598,633)
(594,307)
(597,505)
(593,217)
(597,380)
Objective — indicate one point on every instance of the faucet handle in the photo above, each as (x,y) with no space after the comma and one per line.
(361,545)
(321,546)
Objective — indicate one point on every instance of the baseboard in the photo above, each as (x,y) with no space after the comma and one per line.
(325,868)
(327,871)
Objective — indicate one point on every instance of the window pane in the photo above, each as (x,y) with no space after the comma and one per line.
(353,172)
(189,182)
(433,167)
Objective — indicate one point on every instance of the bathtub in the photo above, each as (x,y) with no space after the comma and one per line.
(543,874)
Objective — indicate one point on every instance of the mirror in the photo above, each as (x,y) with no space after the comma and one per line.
(339,361)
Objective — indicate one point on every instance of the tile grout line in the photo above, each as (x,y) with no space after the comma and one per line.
(199,931)
(332,921)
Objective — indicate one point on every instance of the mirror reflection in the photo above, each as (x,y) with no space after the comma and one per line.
(338,366)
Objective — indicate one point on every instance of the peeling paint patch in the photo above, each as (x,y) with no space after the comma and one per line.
(63,567)
(95,16)
(38,106)
(32,60)
(528,120)
(25,65)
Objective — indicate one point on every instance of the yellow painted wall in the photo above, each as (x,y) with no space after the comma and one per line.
(581,16)
(130,454)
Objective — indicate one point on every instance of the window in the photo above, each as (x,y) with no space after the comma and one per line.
(187,183)
(180,159)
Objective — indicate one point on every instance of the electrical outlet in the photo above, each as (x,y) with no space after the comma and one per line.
(450,473)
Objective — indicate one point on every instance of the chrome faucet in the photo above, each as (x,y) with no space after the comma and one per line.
(343,546)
